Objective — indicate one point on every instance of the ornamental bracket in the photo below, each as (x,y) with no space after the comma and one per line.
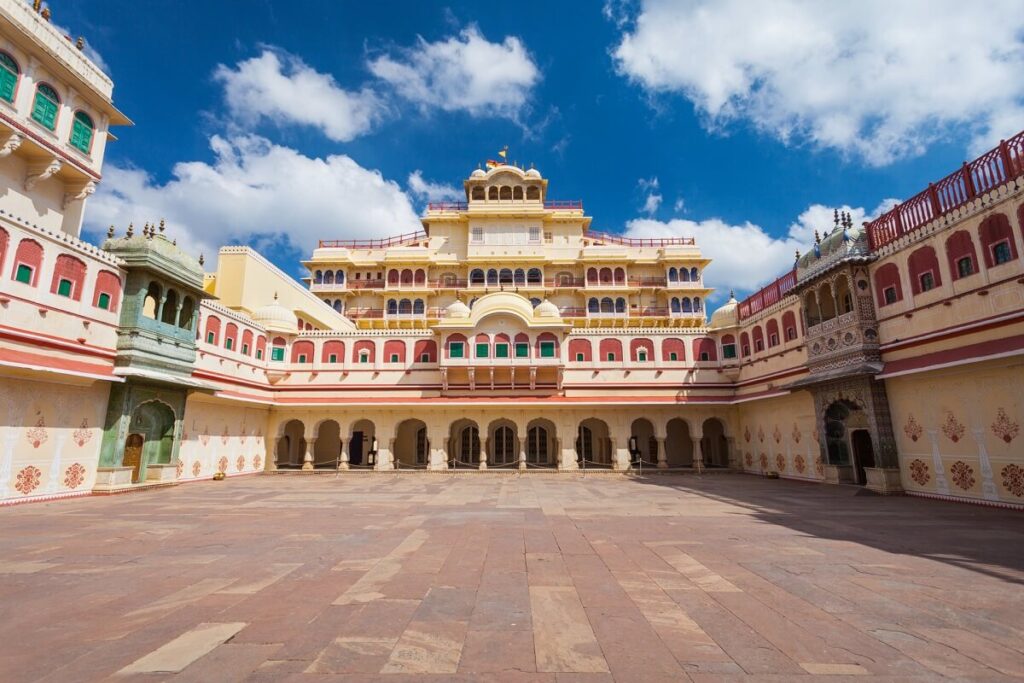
(12,143)
(41,170)
(79,192)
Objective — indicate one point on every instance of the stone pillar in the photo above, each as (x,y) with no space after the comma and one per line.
(941,485)
(733,459)
(343,456)
(483,454)
(383,461)
(567,455)
(522,452)
(307,459)
(662,453)
(698,452)
(620,456)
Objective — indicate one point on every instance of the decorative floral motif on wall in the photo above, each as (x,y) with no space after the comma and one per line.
(919,471)
(204,438)
(953,428)
(819,467)
(196,467)
(780,462)
(74,475)
(256,462)
(243,436)
(225,437)
(82,435)
(37,435)
(746,434)
(799,463)
(764,462)
(912,428)
(777,435)
(1005,428)
(796,434)
(1013,479)
(222,464)
(749,459)
(180,468)
(240,463)
(28,479)
(962,474)
(760,434)
(814,433)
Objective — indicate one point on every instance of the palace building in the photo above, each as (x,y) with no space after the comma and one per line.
(506,335)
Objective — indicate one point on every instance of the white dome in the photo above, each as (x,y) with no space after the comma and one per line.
(726,315)
(478,173)
(276,317)
(457,309)
(533,173)
(546,309)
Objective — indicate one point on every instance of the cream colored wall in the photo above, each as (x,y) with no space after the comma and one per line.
(221,436)
(779,435)
(958,430)
(51,435)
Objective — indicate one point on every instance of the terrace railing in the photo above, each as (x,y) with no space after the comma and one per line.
(766,296)
(636,242)
(383,243)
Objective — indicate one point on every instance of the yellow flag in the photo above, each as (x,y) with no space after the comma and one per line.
(504,153)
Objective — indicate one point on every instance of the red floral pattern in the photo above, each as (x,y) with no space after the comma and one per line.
(777,435)
(962,474)
(74,475)
(953,428)
(919,471)
(256,462)
(196,468)
(1005,428)
(819,467)
(204,437)
(82,435)
(796,434)
(912,428)
(240,463)
(760,434)
(37,435)
(28,479)
(799,463)
(224,437)
(764,462)
(746,434)
(1013,479)
(749,459)
(222,464)
(780,462)
(180,468)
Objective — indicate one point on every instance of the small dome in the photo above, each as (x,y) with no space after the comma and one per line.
(478,173)
(457,309)
(726,315)
(275,317)
(546,309)
(533,173)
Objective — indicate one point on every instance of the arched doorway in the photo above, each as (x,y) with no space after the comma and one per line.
(540,443)
(848,440)
(291,446)
(150,439)
(464,444)
(327,449)
(362,445)
(502,444)
(678,444)
(641,438)
(714,446)
(593,444)
(411,446)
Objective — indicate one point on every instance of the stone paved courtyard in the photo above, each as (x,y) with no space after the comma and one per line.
(499,578)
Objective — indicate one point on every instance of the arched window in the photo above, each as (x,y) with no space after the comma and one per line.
(772,330)
(620,276)
(28,258)
(392,307)
(704,349)
(506,192)
(169,312)
(318,277)
(394,351)
(520,276)
(534,276)
(579,350)
(673,350)
(684,275)
(337,305)
(687,305)
(888,289)
(407,276)
(641,350)
(698,305)
(392,277)
(476,277)
(758,339)
(8,76)
(789,325)
(606,276)
(246,343)
(534,301)
(610,350)
(728,346)
(425,351)
(45,106)
(333,351)
(68,277)
(591,275)
(673,274)
(620,305)
(963,261)
(363,351)
(455,346)
(504,445)
(420,277)
(694,275)
(339,277)
(593,306)
(537,445)
(492,276)
(261,347)
(418,307)
(745,344)
(517,193)
(151,304)
(404,307)
(533,192)
(107,293)
(505,277)
(492,193)
(924,270)
(997,244)
(478,193)
(82,131)
(213,330)
(675,305)
(276,349)
(302,351)
(230,332)
(607,305)
(328,278)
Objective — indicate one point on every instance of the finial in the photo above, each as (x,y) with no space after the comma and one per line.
(732,294)
(817,237)
(162,225)
(110,232)
(797,254)
(175,241)
(202,259)
(131,230)
(275,296)
(37,5)
(835,218)
(45,14)
(80,43)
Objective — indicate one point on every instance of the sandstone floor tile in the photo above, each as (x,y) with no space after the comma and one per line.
(185,649)
(563,638)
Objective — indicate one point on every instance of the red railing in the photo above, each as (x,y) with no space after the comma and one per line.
(564,204)
(762,299)
(375,244)
(553,204)
(633,242)
(993,168)
(366,284)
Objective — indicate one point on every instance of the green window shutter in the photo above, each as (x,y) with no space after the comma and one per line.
(64,287)
(333,358)
(481,350)
(259,354)
(501,351)
(209,337)
(81,134)
(245,349)
(8,81)
(24,274)
(44,109)
(455,349)
(104,301)
(302,358)
(277,353)
(547,349)
(228,343)
(522,350)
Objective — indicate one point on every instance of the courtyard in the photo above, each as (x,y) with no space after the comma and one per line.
(561,578)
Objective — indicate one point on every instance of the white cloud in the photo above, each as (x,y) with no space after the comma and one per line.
(745,256)
(652,198)
(281,88)
(433,192)
(679,205)
(877,79)
(255,190)
(464,72)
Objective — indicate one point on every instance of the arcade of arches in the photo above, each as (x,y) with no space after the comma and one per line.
(499,440)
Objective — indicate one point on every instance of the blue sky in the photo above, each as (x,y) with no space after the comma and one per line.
(277,123)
